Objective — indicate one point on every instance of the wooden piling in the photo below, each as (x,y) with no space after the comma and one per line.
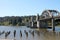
(6,34)
(33,33)
(26,33)
(20,33)
(14,33)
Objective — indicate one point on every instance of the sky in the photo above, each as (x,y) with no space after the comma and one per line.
(27,7)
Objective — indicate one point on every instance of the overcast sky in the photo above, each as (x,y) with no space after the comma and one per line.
(26,7)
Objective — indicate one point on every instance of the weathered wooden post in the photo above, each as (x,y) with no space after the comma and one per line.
(33,33)
(53,24)
(20,33)
(6,34)
(26,33)
(14,33)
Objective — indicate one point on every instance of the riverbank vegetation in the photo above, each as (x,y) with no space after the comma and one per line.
(14,20)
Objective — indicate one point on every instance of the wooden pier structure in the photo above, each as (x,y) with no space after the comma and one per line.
(42,21)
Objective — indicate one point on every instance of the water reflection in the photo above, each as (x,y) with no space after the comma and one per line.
(22,33)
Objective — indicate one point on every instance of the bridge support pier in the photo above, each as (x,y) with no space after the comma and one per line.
(53,24)
(32,24)
(38,24)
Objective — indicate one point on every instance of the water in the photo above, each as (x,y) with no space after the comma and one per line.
(33,34)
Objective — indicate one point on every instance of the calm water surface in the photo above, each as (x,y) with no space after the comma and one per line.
(33,34)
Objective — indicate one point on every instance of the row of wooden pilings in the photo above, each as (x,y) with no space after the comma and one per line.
(27,33)
(14,33)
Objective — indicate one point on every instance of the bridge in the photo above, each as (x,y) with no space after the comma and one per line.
(47,16)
